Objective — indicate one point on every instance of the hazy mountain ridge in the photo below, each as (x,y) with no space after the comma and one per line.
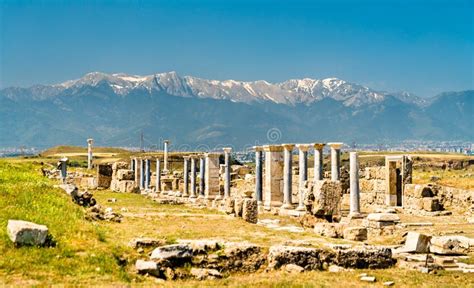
(113,109)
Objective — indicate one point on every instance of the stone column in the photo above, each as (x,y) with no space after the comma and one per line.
(63,167)
(202,170)
(318,161)
(258,174)
(165,156)
(186,176)
(142,173)
(303,173)
(287,177)
(147,173)
(137,178)
(212,187)
(354,185)
(227,172)
(335,160)
(273,194)
(132,164)
(90,141)
(158,176)
(193,176)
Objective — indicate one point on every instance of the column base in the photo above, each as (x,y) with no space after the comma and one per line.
(287,206)
(301,208)
(192,196)
(355,215)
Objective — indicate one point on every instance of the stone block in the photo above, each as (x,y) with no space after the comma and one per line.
(123,174)
(250,210)
(172,252)
(307,258)
(332,230)
(327,198)
(451,245)
(418,190)
(383,217)
(417,242)
(375,172)
(355,233)
(147,267)
(229,204)
(431,204)
(26,233)
(238,206)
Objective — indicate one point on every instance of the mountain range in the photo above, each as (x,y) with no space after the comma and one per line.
(115,109)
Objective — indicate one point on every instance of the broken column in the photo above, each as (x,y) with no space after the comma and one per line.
(165,156)
(354,185)
(62,166)
(193,176)
(335,160)
(158,176)
(202,169)
(273,194)
(287,175)
(303,173)
(90,141)
(186,176)
(227,172)
(212,187)
(318,161)
(258,174)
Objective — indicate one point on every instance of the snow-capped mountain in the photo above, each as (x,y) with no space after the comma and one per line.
(291,92)
(114,108)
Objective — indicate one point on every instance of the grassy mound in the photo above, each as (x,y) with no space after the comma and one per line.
(82,251)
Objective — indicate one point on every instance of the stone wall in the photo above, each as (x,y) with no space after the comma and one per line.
(372,186)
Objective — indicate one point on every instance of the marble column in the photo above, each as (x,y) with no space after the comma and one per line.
(273,193)
(132,164)
(136,166)
(202,170)
(211,176)
(158,176)
(258,174)
(193,176)
(335,160)
(142,173)
(303,173)
(147,173)
(318,161)
(287,175)
(186,176)
(227,172)
(354,185)
(165,156)
(90,141)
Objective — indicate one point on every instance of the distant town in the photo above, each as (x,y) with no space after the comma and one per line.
(460,147)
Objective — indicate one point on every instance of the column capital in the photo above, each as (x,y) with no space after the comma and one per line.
(257,148)
(186,157)
(335,145)
(272,148)
(166,141)
(227,149)
(303,147)
(319,146)
(90,141)
(288,146)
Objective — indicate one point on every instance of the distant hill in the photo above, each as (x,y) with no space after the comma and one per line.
(114,109)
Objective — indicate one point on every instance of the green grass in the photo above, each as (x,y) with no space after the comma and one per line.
(82,248)
(96,254)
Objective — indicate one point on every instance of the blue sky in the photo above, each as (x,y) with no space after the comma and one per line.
(424,47)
